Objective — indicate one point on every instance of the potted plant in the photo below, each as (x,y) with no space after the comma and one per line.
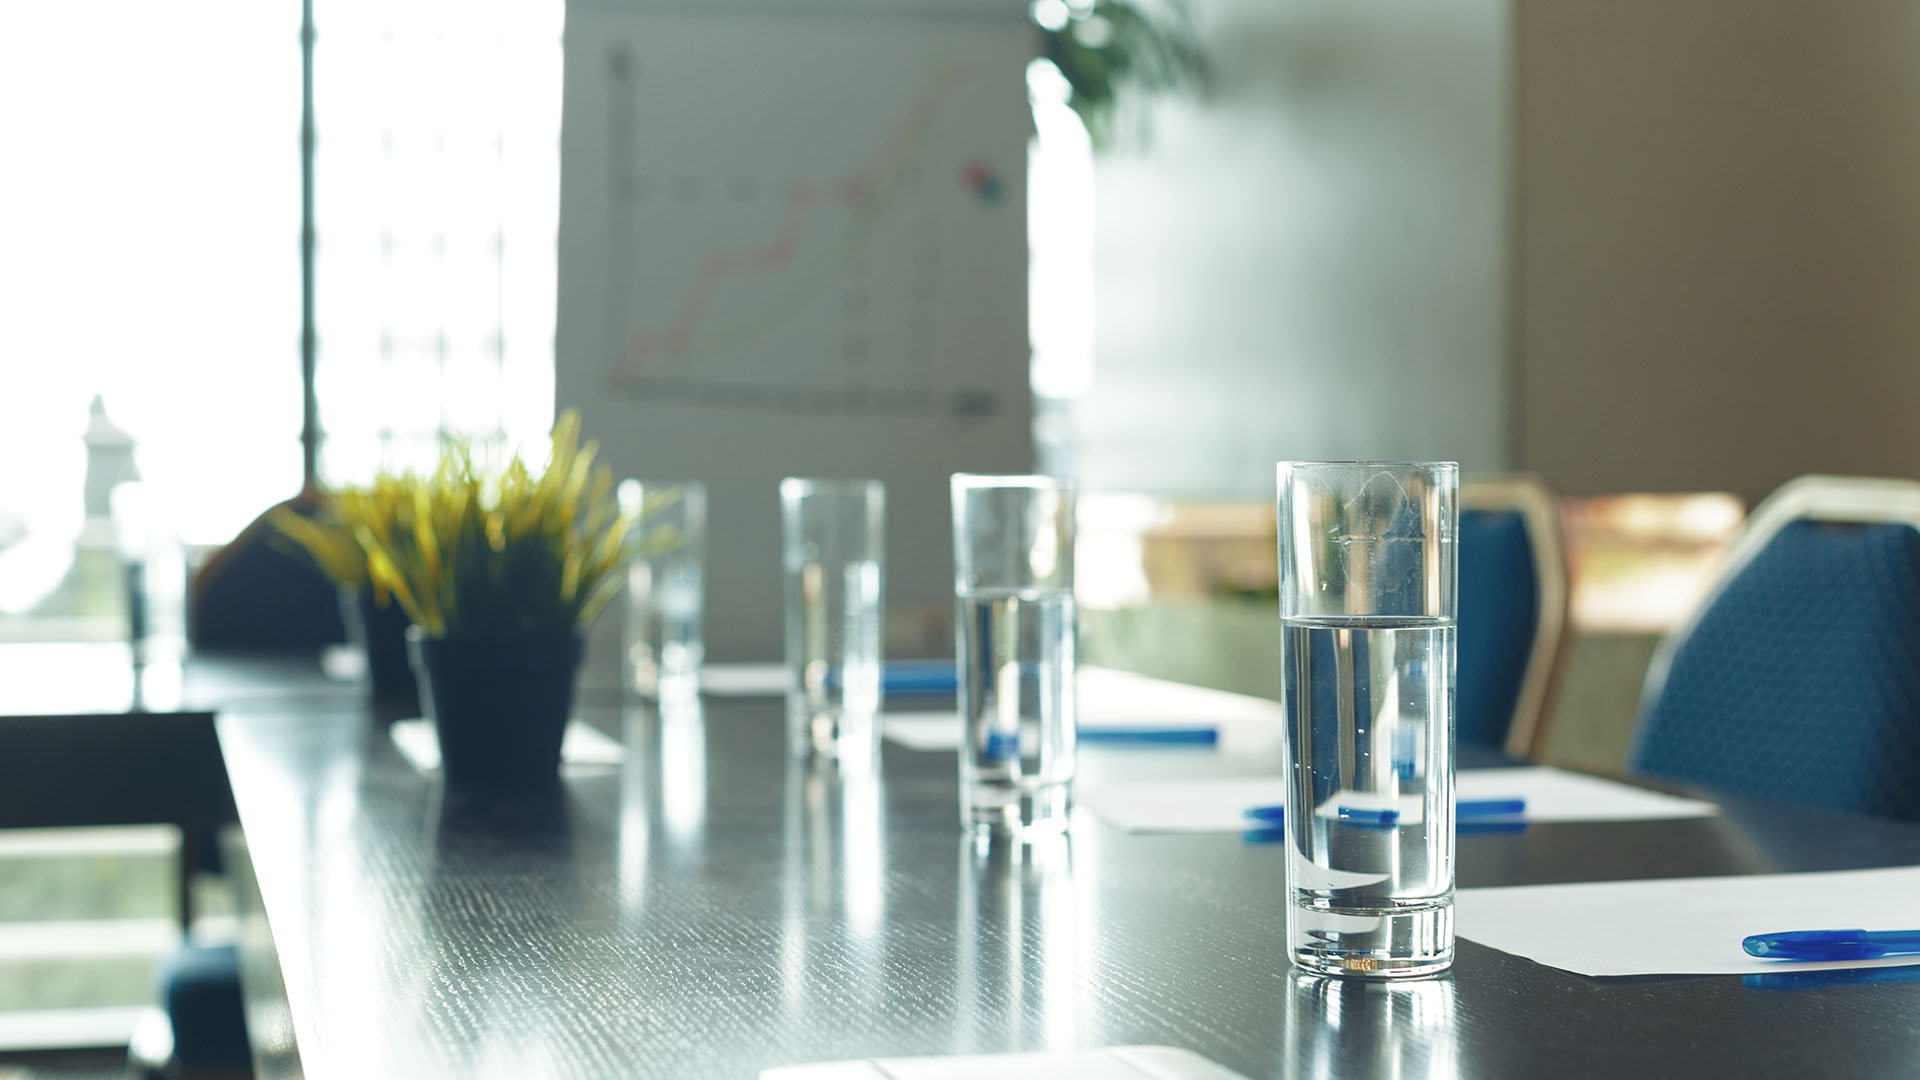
(502,569)
(376,624)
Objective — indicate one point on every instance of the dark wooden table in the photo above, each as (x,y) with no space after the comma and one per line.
(709,911)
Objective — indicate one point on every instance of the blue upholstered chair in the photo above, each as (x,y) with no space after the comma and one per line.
(1797,678)
(1512,597)
(198,1030)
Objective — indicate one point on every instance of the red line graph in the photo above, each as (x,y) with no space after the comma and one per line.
(855,191)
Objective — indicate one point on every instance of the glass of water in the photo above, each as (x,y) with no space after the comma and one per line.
(666,594)
(833,538)
(1014,631)
(1367,568)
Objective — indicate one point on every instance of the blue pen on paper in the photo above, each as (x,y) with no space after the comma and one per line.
(912,677)
(1470,809)
(1474,810)
(920,677)
(1174,736)
(1832,944)
(1275,834)
(1000,745)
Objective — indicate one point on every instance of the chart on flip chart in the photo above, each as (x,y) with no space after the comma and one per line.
(793,242)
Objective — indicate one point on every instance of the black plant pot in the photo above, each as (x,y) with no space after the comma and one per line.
(380,633)
(500,704)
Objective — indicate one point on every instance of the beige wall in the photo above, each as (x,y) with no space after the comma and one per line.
(1717,229)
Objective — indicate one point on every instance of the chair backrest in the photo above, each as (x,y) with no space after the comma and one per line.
(136,768)
(1797,677)
(1513,604)
(260,593)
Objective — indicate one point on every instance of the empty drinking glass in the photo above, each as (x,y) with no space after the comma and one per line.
(834,544)
(666,597)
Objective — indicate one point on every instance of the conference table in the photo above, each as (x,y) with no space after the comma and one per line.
(709,908)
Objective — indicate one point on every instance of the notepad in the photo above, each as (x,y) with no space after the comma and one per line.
(1220,805)
(581,745)
(1112,1063)
(1686,926)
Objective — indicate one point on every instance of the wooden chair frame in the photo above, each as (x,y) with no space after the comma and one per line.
(1530,496)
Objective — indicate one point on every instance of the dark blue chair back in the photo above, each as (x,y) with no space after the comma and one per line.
(1800,680)
(1499,616)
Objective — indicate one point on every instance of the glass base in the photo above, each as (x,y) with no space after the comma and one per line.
(840,735)
(677,685)
(654,682)
(1018,811)
(1399,942)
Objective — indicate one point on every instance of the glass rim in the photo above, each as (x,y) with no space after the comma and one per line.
(831,485)
(1435,465)
(661,482)
(1015,481)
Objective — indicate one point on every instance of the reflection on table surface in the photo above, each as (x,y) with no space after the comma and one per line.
(710,909)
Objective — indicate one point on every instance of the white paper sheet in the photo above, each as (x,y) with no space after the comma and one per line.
(1112,1063)
(1220,805)
(936,730)
(743,680)
(1106,696)
(1687,926)
(581,745)
(1121,700)
(940,730)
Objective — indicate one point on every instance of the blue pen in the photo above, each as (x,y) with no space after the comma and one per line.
(1274,834)
(1184,736)
(920,677)
(1832,944)
(1471,809)
(1001,745)
(1466,810)
(911,677)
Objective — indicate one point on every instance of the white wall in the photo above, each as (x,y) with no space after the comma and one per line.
(1313,264)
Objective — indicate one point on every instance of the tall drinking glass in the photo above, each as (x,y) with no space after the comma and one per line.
(1013,595)
(834,542)
(1367,568)
(666,592)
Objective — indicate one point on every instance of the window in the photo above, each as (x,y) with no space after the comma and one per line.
(149,254)
(437,203)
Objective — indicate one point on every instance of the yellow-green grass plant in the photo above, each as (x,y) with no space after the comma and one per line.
(477,550)
(331,536)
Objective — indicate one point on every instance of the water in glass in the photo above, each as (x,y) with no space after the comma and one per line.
(1016,698)
(1369,738)
(665,629)
(833,634)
